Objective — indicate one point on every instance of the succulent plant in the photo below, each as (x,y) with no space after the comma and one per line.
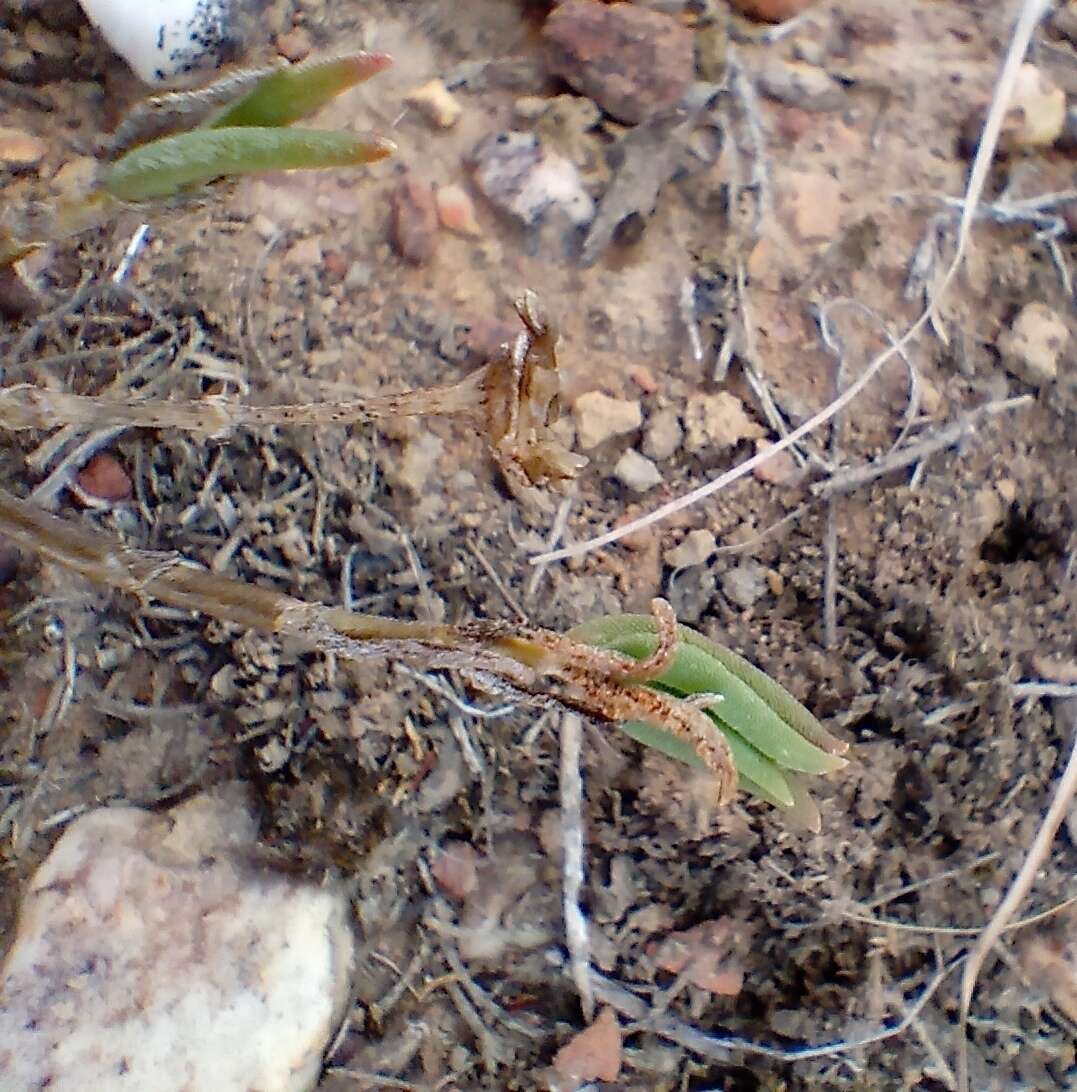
(773,738)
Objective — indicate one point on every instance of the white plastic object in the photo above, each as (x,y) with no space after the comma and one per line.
(162,39)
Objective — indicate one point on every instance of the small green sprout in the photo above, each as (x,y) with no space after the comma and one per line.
(292,92)
(170,165)
(772,737)
(247,134)
(177,143)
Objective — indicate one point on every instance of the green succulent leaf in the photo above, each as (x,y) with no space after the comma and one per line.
(173,164)
(288,94)
(768,730)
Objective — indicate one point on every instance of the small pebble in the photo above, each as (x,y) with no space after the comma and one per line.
(1037,112)
(631,61)
(414,220)
(599,417)
(436,103)
(698,546)
(20,150)
(744,584)
(663,435)
(455,870)
(456,211)
(294,45)
(778,469)
(636,471)
(103,478)
(770,11)
(805,86)
(717,421)
(593,1054)
(1034,344)
(519,175)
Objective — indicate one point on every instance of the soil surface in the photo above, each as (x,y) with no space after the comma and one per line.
(817,173)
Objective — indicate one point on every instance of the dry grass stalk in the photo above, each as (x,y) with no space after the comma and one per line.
(514,397)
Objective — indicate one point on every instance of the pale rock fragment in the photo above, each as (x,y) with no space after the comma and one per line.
(744,584)
(152,953)
(717,421)
(804,86)
(1034,344)
(522,177)
(436,103)
(20,150)
(1037,110)
(695,549)
(636,471)
(663,435)
(599,417)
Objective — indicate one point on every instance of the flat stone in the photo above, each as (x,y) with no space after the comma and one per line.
(717,421)
(637,472)
(150,953)
(20,150)
(631,61)
(805,86)
(599,417)
(697,547)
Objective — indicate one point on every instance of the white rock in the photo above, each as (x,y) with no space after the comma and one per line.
(1033,345)
(518,174)
(636,471)
(161,39)
(716,421)
(598,417)
(1037,110)
(663,435)
(151,954)
(697,546)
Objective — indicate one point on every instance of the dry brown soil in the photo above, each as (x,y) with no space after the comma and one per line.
(954,583)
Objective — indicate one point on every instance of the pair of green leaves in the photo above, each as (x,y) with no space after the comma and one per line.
(772,737)
(238,126)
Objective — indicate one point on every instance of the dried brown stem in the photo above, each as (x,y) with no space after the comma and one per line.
(532,662)
(513,396)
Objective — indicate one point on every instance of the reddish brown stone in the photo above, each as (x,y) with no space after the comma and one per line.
(631,61)
(294,44)
(104,478)
(415,220)
(770,11)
